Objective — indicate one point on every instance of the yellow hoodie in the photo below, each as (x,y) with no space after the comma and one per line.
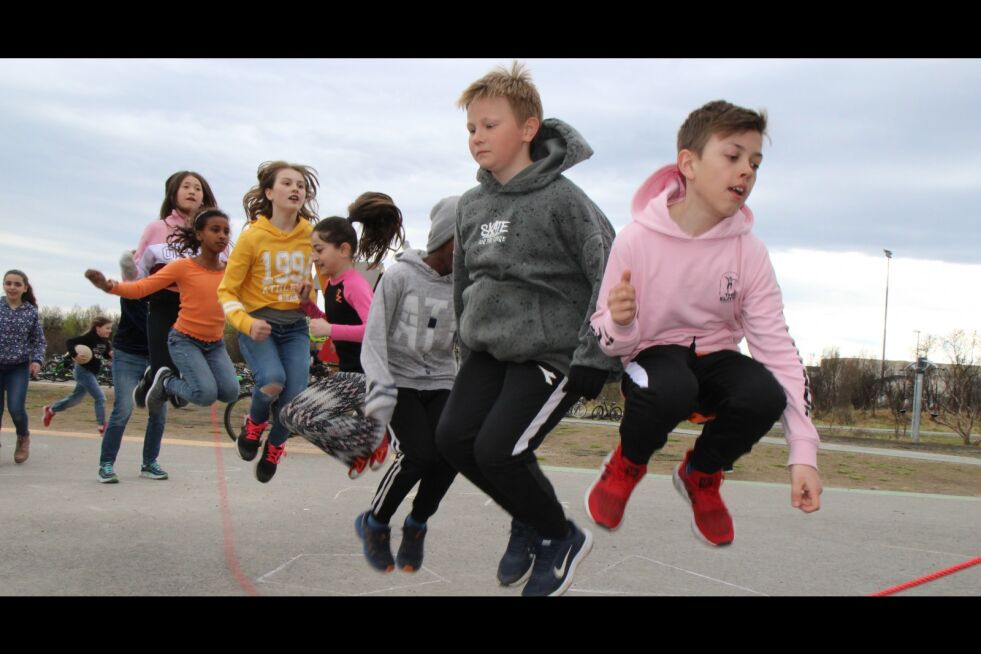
(265,269)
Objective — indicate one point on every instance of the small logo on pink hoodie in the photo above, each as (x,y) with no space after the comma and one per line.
(727,287)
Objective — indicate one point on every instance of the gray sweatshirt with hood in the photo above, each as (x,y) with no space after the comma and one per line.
(408,340)
(529,260)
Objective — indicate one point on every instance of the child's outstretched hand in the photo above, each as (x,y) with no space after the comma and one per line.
(622,301)
(319,327)
(98,280)
(805,488)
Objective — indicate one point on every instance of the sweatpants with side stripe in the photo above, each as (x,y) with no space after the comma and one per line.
(497,415)
(413,436)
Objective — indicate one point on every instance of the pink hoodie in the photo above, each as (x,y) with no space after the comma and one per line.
(715,288)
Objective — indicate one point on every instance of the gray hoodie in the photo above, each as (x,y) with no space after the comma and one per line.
(529,260)
(408,341)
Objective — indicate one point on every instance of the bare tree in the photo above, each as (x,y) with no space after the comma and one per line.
(959,383)
(897,390)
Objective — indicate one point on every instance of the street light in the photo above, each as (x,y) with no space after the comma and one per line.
(882,372)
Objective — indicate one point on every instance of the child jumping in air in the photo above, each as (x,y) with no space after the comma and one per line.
(196,341)
(409,367)
(530,248)
(347,295)
(260,295)
(686,281)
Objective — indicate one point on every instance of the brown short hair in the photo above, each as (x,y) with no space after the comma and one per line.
(721,118)
(255,201)
(514,85)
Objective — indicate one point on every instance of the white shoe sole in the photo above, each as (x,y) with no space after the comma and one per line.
(584,551)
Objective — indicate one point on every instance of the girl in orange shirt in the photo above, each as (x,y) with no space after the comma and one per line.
(196,341)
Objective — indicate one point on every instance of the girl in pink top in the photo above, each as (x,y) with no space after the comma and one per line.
(685,282)
(185,194)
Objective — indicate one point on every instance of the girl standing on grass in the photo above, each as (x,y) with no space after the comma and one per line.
(22,346)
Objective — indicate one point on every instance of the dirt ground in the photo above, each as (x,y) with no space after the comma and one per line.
(586,445)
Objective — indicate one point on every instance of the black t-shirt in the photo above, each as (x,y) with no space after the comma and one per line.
(131,333)
(339,312)
(100,349)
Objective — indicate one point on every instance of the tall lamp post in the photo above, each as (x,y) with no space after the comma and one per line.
(882,371)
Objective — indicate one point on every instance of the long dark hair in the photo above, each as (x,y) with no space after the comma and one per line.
(173,183)
(185,239)
(256,203)
(28,295)
(382,226)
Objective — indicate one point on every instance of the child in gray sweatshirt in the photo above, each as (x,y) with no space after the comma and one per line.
(407,356)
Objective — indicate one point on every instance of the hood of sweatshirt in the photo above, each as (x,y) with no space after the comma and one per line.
(557,147)
(414,259)
(666,187)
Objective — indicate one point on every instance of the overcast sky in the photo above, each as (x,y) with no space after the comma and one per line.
(863,155)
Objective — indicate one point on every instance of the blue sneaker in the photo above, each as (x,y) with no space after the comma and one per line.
(153,471)
(556,561)
(376,543)
(515,565)
(409,557)
(106,473)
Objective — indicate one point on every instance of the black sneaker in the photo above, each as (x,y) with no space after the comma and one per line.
(515,565)
(376,543)
(266,466)
(250,438)
(556,561)
(178,402)
(141,389)
(409,557)
(157,395)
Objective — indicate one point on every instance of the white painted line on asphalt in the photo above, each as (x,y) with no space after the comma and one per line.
(347,488)
(280,568)
(691,572)
(914,549)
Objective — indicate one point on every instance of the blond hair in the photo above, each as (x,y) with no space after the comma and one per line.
(514,85)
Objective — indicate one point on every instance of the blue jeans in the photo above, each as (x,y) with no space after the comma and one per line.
(282,359)
(127,370)
(207,373)
(13,384)
(85,382)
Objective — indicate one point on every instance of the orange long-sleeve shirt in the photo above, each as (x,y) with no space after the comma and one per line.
(201,316)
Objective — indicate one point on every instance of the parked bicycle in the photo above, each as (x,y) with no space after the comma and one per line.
(607,411)
(577,410)
(58,368)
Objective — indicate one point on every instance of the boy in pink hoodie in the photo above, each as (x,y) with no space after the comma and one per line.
(685,282)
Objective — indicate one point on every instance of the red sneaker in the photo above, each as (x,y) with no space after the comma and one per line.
(357,468)
(48,415)
(250,438)
(607,498)
(265,467)
(711,521)
(377,458)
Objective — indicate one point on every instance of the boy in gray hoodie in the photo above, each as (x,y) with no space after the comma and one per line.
(407,356)
(530,252)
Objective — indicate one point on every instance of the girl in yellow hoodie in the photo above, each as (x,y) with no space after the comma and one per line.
(260,295)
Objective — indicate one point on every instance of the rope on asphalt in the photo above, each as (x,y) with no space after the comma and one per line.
(228,533)
(930,577)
